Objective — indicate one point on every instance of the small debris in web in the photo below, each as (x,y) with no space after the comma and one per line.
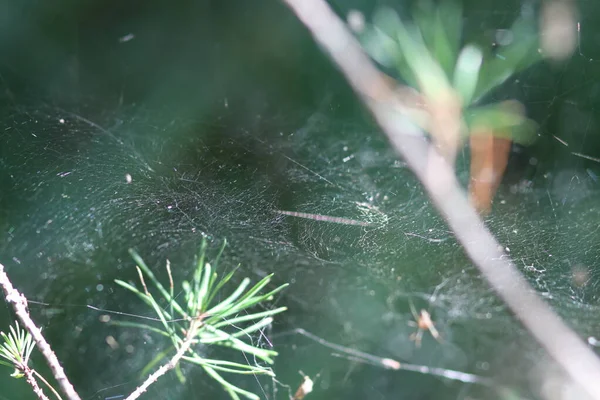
(563,142)
(126,38)
(356,21)
(305,388)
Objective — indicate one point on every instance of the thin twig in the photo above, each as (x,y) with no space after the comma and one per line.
(28,372)
(389,363)
(438,178)
(19,304)
(596,159)
(48,385)
(323,218)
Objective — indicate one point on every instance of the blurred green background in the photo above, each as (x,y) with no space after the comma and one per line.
(223,111)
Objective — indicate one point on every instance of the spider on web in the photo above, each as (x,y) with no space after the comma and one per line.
(423,323)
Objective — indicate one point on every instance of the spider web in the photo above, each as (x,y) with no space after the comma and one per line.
(83,183)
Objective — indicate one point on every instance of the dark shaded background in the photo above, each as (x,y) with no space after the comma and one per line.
(222,111)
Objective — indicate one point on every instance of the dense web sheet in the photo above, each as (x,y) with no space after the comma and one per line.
(89,190)
(323,203)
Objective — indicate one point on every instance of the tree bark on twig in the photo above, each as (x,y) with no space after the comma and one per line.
(438,178)
(19,305)
(28,372)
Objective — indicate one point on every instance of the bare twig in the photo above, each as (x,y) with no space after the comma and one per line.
(185,346)
(390,363)
(45,382)
(19,304)
(438,178)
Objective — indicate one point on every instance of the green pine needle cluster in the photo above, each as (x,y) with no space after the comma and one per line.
(16,349)
(202,302)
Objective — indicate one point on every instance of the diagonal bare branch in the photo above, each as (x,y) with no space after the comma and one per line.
(437,176)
